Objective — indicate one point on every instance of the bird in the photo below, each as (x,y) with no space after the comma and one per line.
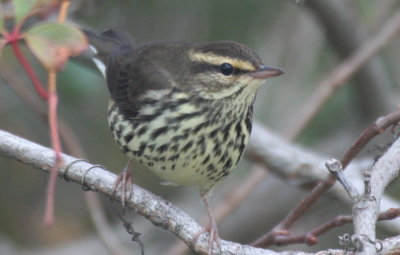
(184,110)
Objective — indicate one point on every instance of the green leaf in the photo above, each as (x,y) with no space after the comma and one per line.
(22,8)
(54,43)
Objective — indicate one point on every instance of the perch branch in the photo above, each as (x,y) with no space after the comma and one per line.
(160,212)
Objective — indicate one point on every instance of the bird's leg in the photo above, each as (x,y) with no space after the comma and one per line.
(124,180)
(211,228)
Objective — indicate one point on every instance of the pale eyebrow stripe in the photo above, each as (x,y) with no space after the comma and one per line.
(217,60)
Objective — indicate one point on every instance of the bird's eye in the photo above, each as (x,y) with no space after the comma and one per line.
(226,69)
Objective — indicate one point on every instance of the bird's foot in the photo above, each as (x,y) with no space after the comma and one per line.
(213,237)
(124,180)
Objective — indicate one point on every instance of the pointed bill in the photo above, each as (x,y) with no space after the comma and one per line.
(264,72)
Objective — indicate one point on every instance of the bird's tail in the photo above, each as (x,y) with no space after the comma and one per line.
(105,44)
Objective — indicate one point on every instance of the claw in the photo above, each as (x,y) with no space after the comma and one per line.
(213,237)
(211,229)
(124,180)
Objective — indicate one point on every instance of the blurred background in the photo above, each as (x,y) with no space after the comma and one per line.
(307,38)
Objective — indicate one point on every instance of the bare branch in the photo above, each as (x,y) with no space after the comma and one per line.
(311,237)
(375,129)
(366,208)
(335,168)
(160,212)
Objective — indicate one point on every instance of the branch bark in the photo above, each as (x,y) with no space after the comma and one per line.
(366,208)
(159,211)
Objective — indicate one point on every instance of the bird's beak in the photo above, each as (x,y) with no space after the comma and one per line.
(263,72)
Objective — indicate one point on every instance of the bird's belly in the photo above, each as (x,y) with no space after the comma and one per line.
(192,152)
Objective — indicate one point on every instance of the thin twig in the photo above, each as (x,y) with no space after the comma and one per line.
(296,213)
(56,145)
(311,237)
(54,133)
(336,169)
(29,70)
(375,129)
(63,11)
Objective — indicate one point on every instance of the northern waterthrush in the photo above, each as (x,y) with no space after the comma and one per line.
(182,109)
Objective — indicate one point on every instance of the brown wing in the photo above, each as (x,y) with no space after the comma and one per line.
(131,74)
(130,71)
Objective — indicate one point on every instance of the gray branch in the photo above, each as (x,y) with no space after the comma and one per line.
(159,211)
(335,167)
(366,209)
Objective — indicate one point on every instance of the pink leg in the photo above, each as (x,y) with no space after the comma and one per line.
(124,180)
(211,228)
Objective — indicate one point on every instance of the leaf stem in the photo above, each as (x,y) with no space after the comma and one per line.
(63,11)
(56,145)
(13,39)
(54,135)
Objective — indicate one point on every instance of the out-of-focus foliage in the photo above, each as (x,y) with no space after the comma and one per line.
(54,43)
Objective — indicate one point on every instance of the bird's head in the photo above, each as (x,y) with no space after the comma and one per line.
(217,70)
